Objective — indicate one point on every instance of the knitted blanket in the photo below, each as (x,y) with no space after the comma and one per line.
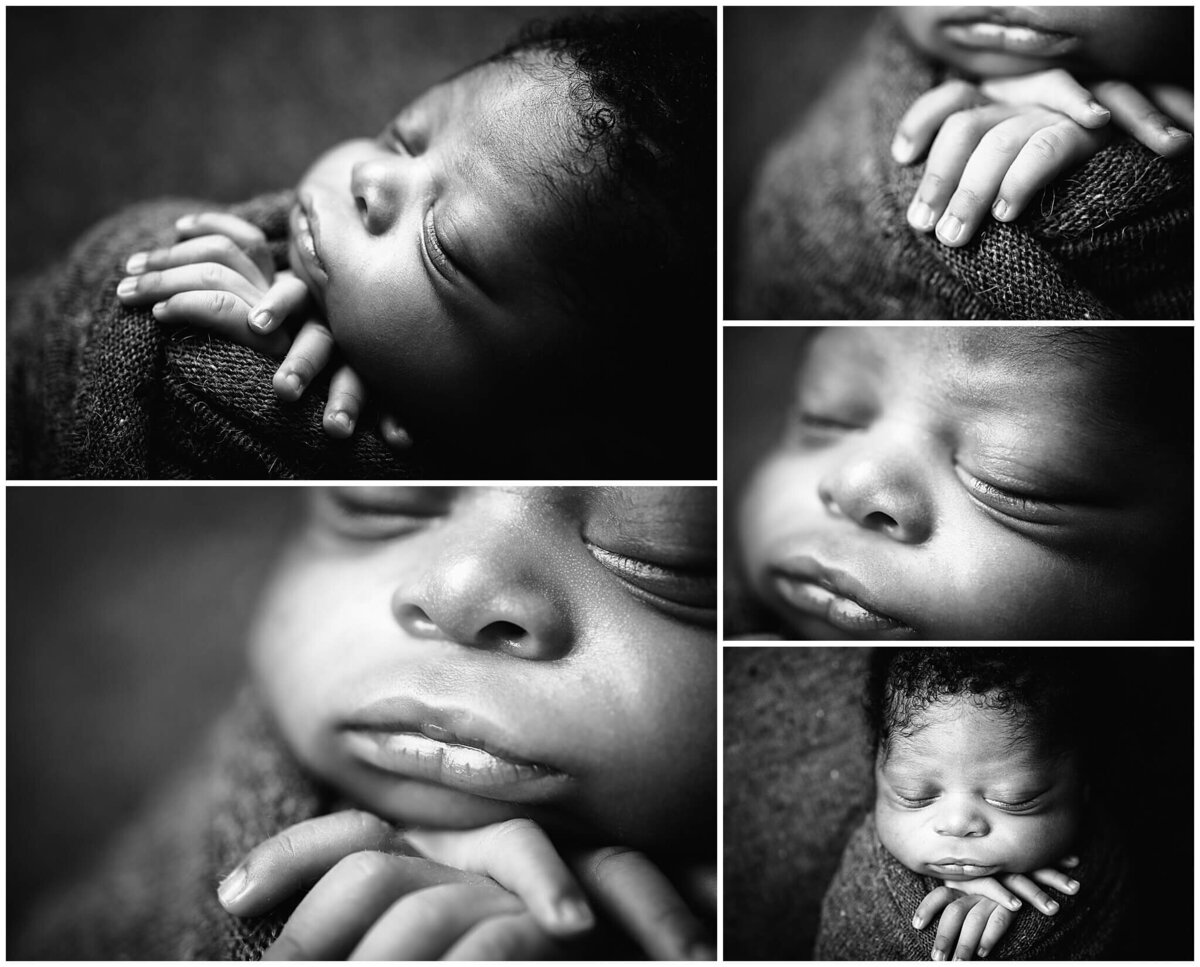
(826,235)
(868,909)
(153,896)
(98,390)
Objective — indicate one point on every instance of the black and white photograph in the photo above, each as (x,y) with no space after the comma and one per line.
(959,163)
(387,723)
(957,803)
(361,243)
(959,482)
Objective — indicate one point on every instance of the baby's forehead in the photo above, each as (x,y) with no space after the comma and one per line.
(960,730)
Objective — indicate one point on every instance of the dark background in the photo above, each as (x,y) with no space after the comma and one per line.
(777,61)
(798,781)
(126,614)
(108,106)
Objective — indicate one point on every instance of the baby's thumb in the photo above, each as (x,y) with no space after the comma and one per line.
(519,856)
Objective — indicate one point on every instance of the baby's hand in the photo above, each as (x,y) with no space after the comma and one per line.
(975,914)
(997,145)
(374,899)
(221,277)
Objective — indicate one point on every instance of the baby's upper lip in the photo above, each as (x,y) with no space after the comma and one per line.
(1029,17)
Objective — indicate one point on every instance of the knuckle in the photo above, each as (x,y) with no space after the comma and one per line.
(932,185)
(211,274)
(962,126)
(1047,145)
(364,865)
(223,245)
(368,826)
(1001,141)
(221,303)
(609,861)
(967,201)
(510,828)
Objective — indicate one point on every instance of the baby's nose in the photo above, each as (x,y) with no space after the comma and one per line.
(377,185)
(481,597)
(881,488)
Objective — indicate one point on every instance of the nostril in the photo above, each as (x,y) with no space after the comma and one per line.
(503,634)
(361,204)
(877,520)
(416,622)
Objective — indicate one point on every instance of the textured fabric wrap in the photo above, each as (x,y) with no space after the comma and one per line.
(826,235)
(99,390)
(868,909)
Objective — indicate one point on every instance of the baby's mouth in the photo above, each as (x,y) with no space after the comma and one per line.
(812,589)
(1004,32)
(954,868)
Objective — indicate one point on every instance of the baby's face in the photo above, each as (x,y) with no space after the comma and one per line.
(453,657)
(434,241)
(1124,43)
(958,483)
(963,797)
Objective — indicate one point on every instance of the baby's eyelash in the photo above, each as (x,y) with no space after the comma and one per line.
(1022,806)
(433,247)
(683,588)
(1024,507)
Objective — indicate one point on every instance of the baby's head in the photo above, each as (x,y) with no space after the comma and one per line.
(453,657)
(980,483)
(978,768)
(1125,43)
(530,230)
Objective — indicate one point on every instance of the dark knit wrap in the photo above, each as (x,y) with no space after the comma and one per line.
(154,894)
(868,909)
(827,238)
(99,390)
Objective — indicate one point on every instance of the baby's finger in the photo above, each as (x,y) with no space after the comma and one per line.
(973,926)
(638,896)
(336,913)
(997,926)
(1054,89)
(950,926)
(927,114)
(249,238)
(1176,102)
(955,142)
(1070,862)
(991,888)
(933,904)
(221,313)
(308,354)
(521,858)
(207,248)
(1025,888)
(1057,880)
(347,394)
(510,936)
(140,290)
(1135,113)
(300,855)
(286,296)
(1046,155)
(425,924)
(972,200)
(394,435)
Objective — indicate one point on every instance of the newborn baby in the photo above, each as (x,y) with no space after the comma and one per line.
(482,723)
(980,792)
(515,243)
(962,483)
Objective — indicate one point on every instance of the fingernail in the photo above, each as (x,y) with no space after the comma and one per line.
(186,222)
(949,228)
(1014,904)
(902,149)
(233,886)
(159,308)
(1071,861)
(136,264)
(1000,209)
(574,914)
(702,951)
(1098,109)
(917,922)
(1072,885)
(1176,133)
(1051,906)
(938,955)
(127,287)
(920,216)
(342,420)
(982,951)
(293,382)
(260,318)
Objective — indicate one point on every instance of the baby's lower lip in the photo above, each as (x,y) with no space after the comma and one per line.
(967,870)
(467,768)
(1009,38)
(838,610)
